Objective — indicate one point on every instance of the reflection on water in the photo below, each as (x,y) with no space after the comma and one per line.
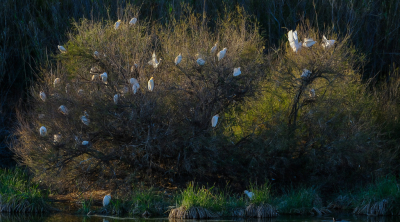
(72,218)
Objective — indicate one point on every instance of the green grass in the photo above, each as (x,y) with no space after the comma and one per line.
(19,194)
(149,200)
(298,201)
(262,194)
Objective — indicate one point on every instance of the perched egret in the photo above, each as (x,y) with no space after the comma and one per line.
(306,74)
(116,97)
(178,59)
(135,84)
(117,24)
(57,138)
(308,42)
(96,54)
(63,109)
(134,89)
(43,131)
(42,96)
(312,93)
(214,120)
(104,77)
(56,82)
(95,77)
(85,143)
(85,120)
(150,84)
(327,43)
(133,21)
(249,194)
(201,62)
(154,61)
(67,88)
(106,200)
(221,54)
(62,49)
(85,113)
(236,71)
(294,41)
(214,47)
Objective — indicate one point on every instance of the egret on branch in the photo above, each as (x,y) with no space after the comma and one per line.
(104,77)
(306,74)
(133,21)
(221,54)
(116,97)
(236,71)
(327,43)
(63,109)
(150,84)
(57,138)
(178,59)
(42,96)
(294,41)
(214,120)
(135,85)
(308,42)
(312,93)
(154,61)
(201,62)
(96,54)
(117,24)
(214,47)
(62,49)
(85,120)
(43,131)
(56,82)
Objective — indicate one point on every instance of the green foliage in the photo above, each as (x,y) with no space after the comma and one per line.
(262,193)
(150,200)
(298,201)
(195,196)
(86,205)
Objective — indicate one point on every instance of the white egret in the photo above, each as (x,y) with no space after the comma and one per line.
(85,113)
(214,120)
(85,120)
(327,43)
(306,74)
(43,131)
(154,61)
(312,93)
(62,49)
(117,24)
(178,59)
(42,96)
(135,84)
(95,77)
(133,21)
(96,54)
(106,200)
(56,82)
(104,77)
(85,143)
(236,71)
(63,109)
(116,97)
(221,54)
(249,194)
(67,88)
(150,84)
(214,47)
(201,62)
(294,41)
(57,138)
(134,89)
(308,42)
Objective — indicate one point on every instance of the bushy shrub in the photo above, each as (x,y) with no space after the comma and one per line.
(150,134)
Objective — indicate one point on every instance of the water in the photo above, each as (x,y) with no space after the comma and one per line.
(72,218)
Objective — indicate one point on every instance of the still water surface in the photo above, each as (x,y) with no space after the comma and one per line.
(72,218)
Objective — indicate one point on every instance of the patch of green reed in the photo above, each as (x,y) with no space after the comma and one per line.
(86,205)
(262,193)
(298,201)
(151,200)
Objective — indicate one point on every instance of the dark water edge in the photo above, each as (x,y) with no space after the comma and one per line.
(4,217)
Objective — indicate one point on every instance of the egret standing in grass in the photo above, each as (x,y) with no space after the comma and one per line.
(106,200)
(327,43)
(42,96)
(117,24)
(104,77)
(294,41)
(154,61)
(43,131)
(236,71)
(116,97)
(62,49)
(85,120)
(63,109)
(308,42)
(214,120)
(133,21)
(56,82)
(306,74)
(214,48)
(150,84)
(178,59)
(221,54)
(249,194)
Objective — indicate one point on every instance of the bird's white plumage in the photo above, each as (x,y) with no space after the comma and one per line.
(96,54)
(312,93)
(150,84)
(85,143)
(56,82)
(294,41)
(106,200)
(133,21)
(236,71)
(42,96)
(214,48)
(104,77)
(85,120)
(117,24)
(249,194)
(57,138)
(327,43)
(43,131)
(214,120)
(201,61)
(116,97)
(306,74)
(62,49)
(308,42)
(154,61)
(221,54)
(178,59)
(63,109)
(135,85)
